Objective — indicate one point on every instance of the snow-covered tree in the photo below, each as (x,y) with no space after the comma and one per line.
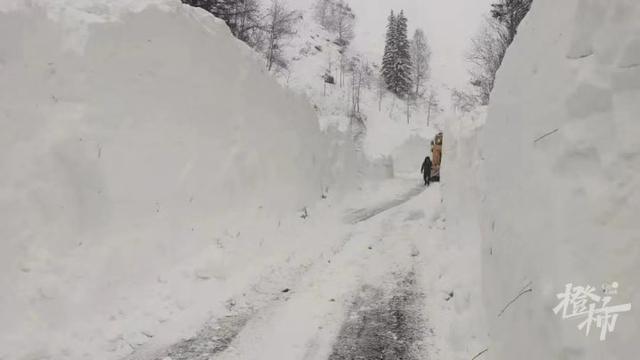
(361,76)
(433,105)
(246,22)
(403,60)
(488,48)
(463,101)
(321,10)
(343,23)
(490,45)
(379,83)
(337,17)
(389,57)
(510,13)
(279,24)
(420,57)
(396,62)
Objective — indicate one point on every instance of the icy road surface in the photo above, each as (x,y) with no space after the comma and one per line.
(379,295)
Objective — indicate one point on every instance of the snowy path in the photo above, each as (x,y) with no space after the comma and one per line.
(369,299)
(359,215)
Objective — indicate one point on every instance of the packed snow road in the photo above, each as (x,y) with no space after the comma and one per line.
(373,296)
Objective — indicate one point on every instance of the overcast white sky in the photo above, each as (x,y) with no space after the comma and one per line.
(449,25)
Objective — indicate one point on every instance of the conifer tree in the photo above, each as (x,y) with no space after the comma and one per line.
(403,67)
(389,57)
(396,62)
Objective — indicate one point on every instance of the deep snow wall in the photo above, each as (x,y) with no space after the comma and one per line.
(461,183)
(562,180)
(127,139)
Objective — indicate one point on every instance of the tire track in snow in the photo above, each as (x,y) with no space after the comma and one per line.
(360,215)
(212,339)
(218,333)
(383,326)
(396,313)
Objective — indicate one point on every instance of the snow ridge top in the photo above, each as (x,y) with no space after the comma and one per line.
(78,15)
(87,10)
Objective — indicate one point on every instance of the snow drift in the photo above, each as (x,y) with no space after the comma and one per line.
(562,174)
(127,138)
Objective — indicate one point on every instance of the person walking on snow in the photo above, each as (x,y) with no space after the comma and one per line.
(426,170)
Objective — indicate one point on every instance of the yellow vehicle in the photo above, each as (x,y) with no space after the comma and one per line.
(436,157)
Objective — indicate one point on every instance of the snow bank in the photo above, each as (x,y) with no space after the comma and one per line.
(131,132)
(462,199)
(562,175)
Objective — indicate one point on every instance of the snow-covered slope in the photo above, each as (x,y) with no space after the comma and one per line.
(385,130)
(562,171)
(129,139)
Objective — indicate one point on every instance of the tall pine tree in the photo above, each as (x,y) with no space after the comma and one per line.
(389,57)
(403,57)
(396,62)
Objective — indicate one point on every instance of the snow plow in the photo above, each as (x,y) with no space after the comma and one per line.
(436,157)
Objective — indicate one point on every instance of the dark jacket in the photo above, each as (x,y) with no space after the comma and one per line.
(426,166)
